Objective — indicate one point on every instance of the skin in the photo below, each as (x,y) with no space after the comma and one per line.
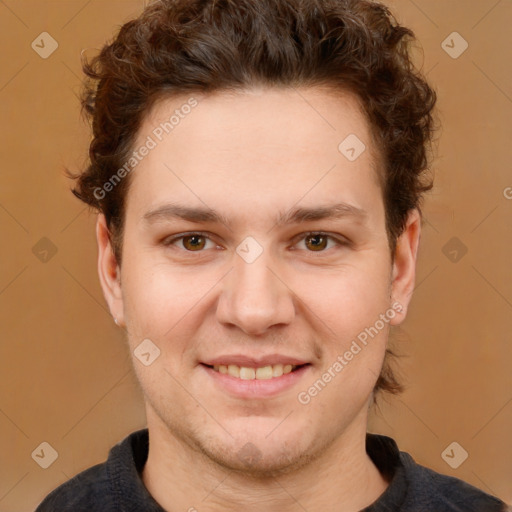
(249,155)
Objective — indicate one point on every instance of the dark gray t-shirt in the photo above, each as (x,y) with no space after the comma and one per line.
(116,485)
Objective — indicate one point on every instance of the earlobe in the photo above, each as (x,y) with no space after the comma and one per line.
(109,271)
(404,265)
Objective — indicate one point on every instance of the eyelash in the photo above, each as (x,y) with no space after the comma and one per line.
(340,242)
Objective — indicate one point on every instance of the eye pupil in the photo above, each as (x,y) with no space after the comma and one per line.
(194,239)
(316,244)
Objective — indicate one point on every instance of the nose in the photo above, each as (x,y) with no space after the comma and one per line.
(255,296)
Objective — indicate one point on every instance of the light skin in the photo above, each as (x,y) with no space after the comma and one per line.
(251,156)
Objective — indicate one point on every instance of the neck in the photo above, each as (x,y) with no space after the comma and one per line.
(181,478)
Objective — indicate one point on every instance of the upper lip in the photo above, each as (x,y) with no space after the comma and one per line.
(254,362)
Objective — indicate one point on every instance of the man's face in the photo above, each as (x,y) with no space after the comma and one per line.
(260,288)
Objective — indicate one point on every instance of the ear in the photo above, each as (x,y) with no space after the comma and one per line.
(404,266)
(109,271)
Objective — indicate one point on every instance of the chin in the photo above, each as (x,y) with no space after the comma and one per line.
(256,461)
(258,456)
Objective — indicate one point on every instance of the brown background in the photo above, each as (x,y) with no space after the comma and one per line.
(65,373)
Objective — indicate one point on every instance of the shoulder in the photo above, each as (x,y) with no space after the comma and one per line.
(81,492)
(104,486)
(429,490)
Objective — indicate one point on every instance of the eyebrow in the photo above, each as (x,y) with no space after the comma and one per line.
(293,216)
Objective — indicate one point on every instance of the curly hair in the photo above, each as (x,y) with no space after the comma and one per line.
(181,46)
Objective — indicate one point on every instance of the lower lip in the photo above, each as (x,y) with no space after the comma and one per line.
(255,388)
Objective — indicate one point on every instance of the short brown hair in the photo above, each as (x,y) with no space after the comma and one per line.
(180,46)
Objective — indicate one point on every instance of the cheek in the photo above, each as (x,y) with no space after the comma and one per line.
(158,296)
(347,299)
(347,306)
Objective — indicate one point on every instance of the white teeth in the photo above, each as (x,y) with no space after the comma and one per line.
(247,373)
(234,370)
(262,373)
(277,370)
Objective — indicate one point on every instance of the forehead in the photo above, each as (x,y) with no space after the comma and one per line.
(304,143)
(296,118)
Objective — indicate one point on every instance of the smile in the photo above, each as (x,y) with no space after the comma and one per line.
(255,382)
(262,373)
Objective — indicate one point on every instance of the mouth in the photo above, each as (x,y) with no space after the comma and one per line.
(267,372)
(251,379)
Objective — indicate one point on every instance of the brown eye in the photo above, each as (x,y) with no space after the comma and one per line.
(189,242)
(316,242)
(194,242)
(319,241)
